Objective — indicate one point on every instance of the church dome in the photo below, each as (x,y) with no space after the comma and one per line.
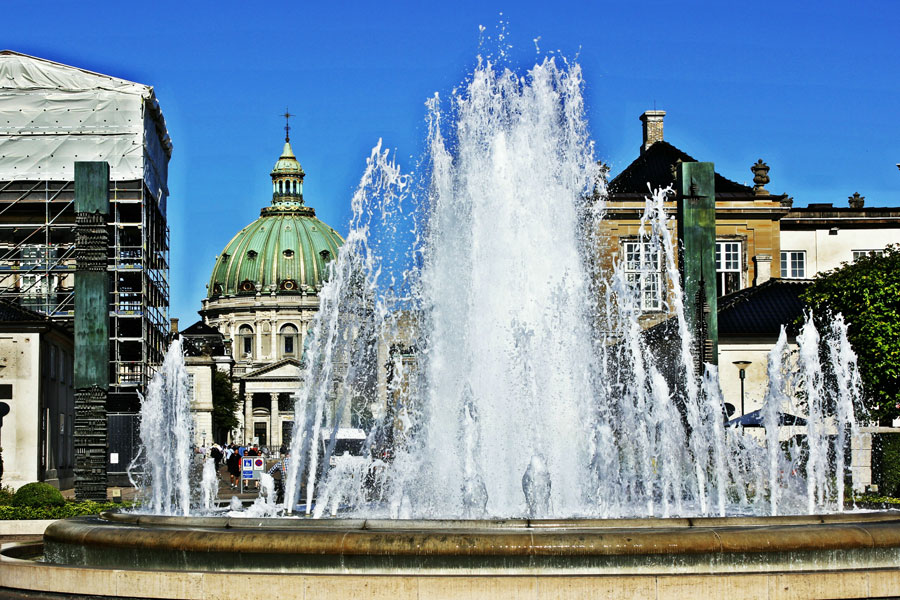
(285,251)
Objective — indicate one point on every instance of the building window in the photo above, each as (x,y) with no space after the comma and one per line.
(190,386)
(289,335)
(858,254)
(245,333)
(643,273)
(793,264)
(728,267)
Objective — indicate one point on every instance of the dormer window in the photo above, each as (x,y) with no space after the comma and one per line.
(247,286)
(289,285)
(251,254)
(288,253)
(326,255)
(217,289)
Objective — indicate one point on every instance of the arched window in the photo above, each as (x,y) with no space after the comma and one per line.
(289,337)
(245,339)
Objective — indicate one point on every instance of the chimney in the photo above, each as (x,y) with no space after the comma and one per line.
(857,201)
(174,325)
(653,127)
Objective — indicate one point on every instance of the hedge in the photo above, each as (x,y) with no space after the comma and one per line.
(886,463)
(69,509)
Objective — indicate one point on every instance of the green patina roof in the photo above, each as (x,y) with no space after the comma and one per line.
(284,251)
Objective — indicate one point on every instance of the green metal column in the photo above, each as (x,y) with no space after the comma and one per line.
(696,188)
(91,328)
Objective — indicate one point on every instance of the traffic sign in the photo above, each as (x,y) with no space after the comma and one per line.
(251,468)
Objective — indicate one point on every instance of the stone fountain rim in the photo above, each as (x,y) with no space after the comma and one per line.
(494,538)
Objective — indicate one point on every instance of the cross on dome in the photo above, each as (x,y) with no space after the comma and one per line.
(287,124)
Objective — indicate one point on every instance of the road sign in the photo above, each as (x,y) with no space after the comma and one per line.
(248,468)
(251,468)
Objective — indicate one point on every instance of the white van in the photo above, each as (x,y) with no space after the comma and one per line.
(348,441)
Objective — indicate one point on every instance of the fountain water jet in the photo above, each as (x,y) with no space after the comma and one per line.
(164,485)
(518,374)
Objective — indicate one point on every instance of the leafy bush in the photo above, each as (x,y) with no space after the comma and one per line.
(886,463)
(867,293)
(869,500)
(69,509)
(38,494)
(6,495)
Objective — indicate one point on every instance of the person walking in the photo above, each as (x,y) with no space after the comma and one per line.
(280,467)
(234,468)
(215,453)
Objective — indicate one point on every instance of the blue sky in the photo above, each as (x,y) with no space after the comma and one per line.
(810,87)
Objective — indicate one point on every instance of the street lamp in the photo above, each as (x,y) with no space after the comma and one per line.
(742,368)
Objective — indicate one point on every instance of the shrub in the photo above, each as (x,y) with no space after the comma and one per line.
(6,495)
(867,293)
(886,463)
(67,510)
(38,494)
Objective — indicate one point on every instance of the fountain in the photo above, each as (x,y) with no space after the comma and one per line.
(529,439)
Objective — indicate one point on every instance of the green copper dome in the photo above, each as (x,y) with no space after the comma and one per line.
(285,250)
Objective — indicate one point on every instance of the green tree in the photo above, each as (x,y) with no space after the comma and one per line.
(225,403)
(867,293)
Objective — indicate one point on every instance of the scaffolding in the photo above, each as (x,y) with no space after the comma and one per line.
(54,115)
(37,270)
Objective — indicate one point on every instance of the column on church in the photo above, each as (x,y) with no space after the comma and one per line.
(274,355)
(258,336)
(274,423)
(248,417)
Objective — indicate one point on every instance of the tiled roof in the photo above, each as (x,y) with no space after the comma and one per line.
(654,166)
(200,328)
(202,340)
(762,309)
(12,312)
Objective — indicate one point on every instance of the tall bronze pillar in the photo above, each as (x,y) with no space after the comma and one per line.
(696,188)
(91,328)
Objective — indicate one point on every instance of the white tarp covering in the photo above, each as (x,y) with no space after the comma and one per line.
(52,115)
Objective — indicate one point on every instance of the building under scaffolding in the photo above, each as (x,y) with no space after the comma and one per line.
(52,115)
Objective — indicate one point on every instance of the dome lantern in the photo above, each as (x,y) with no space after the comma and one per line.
(287,175)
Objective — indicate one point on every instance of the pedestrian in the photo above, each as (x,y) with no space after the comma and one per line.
(280,467)
(215,453)
(234,468)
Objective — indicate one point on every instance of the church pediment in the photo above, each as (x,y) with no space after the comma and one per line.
(289,368)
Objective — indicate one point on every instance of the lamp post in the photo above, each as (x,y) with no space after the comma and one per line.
(742,368)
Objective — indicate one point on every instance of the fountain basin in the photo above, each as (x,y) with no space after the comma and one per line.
(851,555)
(611,546)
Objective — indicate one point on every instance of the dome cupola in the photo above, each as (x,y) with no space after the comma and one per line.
(287,177)
(286,250)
